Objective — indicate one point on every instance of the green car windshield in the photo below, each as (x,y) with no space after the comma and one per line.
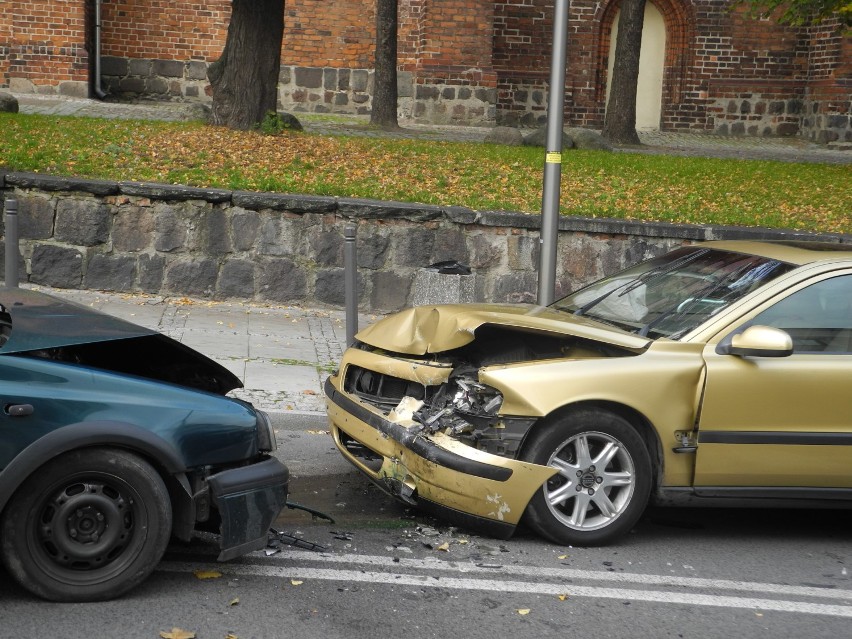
(668,296)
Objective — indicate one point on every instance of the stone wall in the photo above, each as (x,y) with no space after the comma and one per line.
(220,244)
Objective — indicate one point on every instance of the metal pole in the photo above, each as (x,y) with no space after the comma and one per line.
(553,157)
(350,281)
(11,231)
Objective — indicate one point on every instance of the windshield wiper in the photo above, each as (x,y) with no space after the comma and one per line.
(697,297)
(646,277)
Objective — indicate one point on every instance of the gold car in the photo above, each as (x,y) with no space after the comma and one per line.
(718,374)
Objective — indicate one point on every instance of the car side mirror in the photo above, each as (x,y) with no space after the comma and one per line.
(758,341)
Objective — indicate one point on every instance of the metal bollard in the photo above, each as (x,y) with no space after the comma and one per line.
(350,281)
(11,225)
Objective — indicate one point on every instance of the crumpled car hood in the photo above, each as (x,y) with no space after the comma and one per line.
(32,322)
(435,329)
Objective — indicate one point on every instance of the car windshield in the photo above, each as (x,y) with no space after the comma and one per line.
(668,296)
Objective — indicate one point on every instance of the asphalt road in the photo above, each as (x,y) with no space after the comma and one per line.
(391,572)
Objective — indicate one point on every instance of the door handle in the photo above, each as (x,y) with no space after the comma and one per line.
(19,410)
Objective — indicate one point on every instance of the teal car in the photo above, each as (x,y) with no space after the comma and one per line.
(114,439)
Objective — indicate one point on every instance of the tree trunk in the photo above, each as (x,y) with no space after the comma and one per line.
(385,91)
(620,121)
(245,78)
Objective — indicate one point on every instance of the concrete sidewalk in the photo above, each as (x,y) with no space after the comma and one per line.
(282,354)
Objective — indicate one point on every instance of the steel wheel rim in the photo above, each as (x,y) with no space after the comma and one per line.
(594,483)
(87,528)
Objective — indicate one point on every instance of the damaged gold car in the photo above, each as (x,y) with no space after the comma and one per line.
(718,374)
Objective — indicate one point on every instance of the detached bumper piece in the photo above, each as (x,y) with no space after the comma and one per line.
(248,500)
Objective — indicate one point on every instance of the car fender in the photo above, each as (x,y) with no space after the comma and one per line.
(87,435)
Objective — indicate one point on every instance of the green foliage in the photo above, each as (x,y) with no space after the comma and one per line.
(272,124)
(800,12)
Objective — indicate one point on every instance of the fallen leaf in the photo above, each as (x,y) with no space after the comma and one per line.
(524,611)
(563,557)
(234,601)
(231,635)
(445,547)
(207,574)
(296,582)
(178,633)
(562,597)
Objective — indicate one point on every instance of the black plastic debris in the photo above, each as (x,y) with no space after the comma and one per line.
(316,514)
(277,539)
(449,267)
(341,535)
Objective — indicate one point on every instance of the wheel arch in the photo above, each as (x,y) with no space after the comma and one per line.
(159,453)
(636,419)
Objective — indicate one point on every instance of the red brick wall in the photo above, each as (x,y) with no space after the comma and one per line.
(317,33)
(329,33)
(5,45)
(43,42)
(165,29)
(722,69)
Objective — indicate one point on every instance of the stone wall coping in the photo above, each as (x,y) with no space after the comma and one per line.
(355,208)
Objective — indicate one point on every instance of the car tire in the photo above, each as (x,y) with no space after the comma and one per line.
(603,483)
(87,526)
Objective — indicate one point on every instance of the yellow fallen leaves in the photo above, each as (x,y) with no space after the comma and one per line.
(207,574)
(178,633)
(296,582)
(523,611)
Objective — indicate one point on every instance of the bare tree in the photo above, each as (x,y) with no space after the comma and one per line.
(245,78)
(620,121)
(385,96)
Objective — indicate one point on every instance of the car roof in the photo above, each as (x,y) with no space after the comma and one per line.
(790,251)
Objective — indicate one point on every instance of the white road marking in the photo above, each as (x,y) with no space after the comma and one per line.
(494,582)
(565,573)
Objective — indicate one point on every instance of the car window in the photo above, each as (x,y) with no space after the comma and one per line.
(818,317)
(669,296)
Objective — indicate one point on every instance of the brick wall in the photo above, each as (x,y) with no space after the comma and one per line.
(164,29)
(328,33)
(461,61)
(42,46)
(724,71)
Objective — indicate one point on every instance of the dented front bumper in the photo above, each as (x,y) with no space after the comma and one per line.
(433,471)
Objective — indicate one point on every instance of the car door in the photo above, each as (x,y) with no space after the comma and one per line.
(770,423)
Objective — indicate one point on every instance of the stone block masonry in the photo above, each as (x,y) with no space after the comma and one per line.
(288,249)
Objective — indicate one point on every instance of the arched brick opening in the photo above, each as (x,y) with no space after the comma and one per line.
(679,19)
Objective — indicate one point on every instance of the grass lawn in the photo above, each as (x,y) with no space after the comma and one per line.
(813,197)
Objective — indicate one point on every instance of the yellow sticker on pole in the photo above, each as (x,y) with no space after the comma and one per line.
(553,158)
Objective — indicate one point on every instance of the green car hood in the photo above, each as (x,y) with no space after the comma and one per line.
(36,324)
